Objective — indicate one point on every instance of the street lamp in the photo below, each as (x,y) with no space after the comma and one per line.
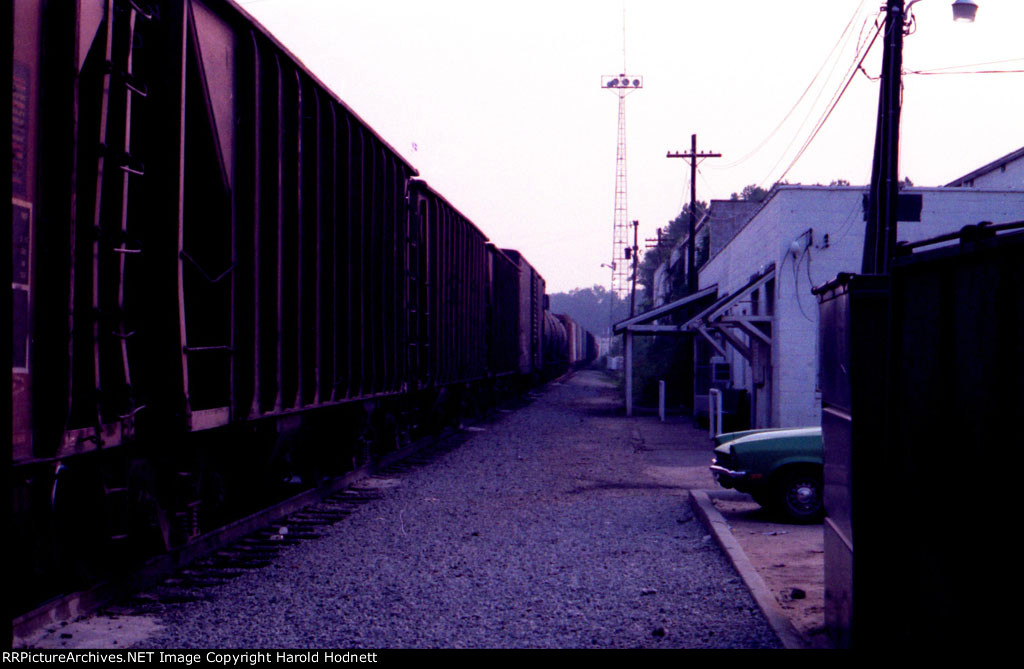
(964,10)
(880,234)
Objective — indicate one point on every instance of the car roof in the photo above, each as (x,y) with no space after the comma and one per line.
(783,433)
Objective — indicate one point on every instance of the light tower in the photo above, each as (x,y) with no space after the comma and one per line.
(623,85)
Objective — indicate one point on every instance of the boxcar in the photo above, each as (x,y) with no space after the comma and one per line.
(450,269)
(530,317)
(503,312)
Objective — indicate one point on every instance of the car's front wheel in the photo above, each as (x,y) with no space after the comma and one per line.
(800,493)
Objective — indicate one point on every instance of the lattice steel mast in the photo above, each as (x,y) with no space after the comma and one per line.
(623,84)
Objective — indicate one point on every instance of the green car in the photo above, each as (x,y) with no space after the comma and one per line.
(780,468)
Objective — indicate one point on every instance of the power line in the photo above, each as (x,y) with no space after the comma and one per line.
(851,74)
(957,67)
(843,38)
(928,72)
(835,101)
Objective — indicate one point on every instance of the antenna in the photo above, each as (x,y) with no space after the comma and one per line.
(623,84)
(623,35)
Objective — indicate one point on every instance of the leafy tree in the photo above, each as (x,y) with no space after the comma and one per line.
(593,308)
(677,229)
(752,193)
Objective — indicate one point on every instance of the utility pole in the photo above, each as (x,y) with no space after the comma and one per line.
(636,253)
(880,233)
(691,253)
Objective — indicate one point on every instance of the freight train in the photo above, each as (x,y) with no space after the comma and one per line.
(225,280)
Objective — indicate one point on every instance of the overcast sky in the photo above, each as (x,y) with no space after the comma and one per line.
(500,105)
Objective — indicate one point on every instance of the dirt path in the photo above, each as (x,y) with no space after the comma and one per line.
(789,558)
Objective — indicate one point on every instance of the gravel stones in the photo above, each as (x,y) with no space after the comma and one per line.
(540,531)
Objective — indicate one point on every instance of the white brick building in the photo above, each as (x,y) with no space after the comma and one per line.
(712,232)
(1005,172)
(764,323)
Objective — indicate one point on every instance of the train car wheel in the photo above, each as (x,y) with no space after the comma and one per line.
(81,533)
(213,496)
(386,431)
(148,521)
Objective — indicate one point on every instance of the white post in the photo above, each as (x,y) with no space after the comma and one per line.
(715,412)
(711,412)
(661,400)
(629,373)
(718,413)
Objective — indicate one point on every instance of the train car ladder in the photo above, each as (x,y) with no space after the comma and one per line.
(118,70)
(416,305)
(115,152)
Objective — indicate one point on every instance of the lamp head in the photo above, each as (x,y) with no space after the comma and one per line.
(964,10)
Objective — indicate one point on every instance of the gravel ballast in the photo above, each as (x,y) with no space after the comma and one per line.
(539,531)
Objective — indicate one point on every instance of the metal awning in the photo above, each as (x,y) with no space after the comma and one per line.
(641,322)
(713,318)
(642,325)
(710,319)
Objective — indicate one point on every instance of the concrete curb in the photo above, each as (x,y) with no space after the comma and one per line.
(719,529)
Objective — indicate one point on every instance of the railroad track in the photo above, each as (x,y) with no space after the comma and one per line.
(249,543)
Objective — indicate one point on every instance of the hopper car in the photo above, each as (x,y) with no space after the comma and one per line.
(225,283)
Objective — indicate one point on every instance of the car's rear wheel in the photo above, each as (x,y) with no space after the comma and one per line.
(799,495)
